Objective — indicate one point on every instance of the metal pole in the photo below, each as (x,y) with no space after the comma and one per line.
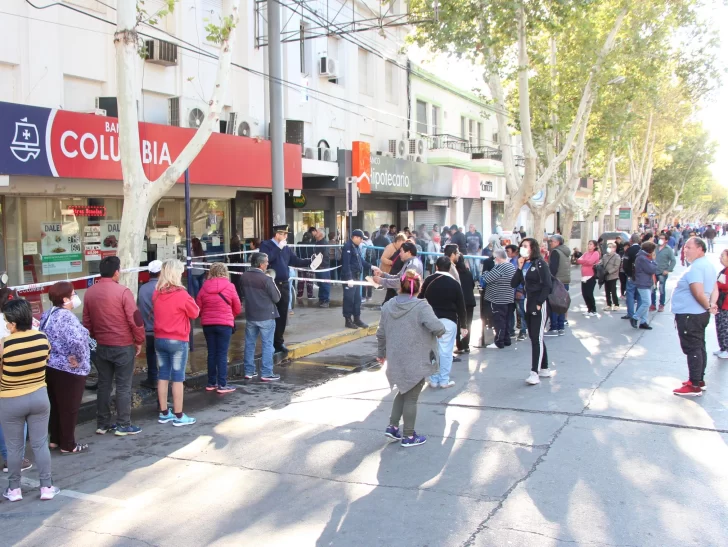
(275,63)
(188,242)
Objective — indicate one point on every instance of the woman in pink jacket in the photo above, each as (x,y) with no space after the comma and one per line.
(588,277)
(219,305)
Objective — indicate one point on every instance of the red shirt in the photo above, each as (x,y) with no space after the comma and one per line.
(111,315)
(723,286)
(173,310)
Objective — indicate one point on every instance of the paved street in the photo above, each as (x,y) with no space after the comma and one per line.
(601,454)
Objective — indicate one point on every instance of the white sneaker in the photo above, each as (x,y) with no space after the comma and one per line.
(545,373)
(433,385)
(594,314)
(49,492)
(723,355)
(717,352)
(492,346)
(533,379)
(450,383)
(608,308)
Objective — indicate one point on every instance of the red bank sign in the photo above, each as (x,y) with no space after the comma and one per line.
(59,143)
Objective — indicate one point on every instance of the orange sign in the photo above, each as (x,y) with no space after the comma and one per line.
(361,165)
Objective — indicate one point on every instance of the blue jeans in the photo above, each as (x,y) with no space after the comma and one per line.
(267,330)
(557,319)
(218,342)
(641,313)
(195,282)
(474,266)
(632,296)
(661,280)
(324,292)
(446,342)
(521,310)
(152,370)
(171,358)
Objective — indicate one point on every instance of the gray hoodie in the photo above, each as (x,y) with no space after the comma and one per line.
(407,337)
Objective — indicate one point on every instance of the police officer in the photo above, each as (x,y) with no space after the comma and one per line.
(352,265)
(279,258)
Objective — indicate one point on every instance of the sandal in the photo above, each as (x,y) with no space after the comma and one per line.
(79,448)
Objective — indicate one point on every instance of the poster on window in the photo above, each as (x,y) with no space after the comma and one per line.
(60,248)
(110,233)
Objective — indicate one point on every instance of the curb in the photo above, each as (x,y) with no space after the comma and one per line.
(141,396)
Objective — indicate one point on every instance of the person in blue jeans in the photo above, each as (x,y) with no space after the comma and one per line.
(666,261)
(261,296)
(632,295)
(644,271)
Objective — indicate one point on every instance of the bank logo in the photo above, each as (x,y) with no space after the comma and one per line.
(26,144)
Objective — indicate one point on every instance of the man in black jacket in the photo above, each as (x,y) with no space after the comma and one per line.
(324,292)
(352,266)
(445,296)
(628,265)
(458,238)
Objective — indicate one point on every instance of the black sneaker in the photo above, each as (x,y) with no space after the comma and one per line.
(323,305)
(349,324)
(645,326)
(359,323)
(633,322)
(250,376)
(521,337)
(271,378)
(626,317)
(551,333)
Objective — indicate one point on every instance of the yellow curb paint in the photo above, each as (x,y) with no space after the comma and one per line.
(330,341)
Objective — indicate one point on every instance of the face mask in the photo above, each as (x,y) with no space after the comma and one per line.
(75,301)
(282,244)
(610,250)
(524,252)
(662,242)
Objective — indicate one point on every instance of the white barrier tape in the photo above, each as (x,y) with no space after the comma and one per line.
(205,266)
(354,283)
(36,286)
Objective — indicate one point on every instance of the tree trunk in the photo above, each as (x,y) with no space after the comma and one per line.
(567,223)
(539,222)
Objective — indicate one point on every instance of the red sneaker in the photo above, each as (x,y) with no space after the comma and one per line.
(689,391)
(689,383)
(661,308)
(653,308)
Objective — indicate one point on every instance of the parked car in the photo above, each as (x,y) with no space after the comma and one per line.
(609,237)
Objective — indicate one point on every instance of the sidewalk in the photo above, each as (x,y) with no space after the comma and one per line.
(310,329)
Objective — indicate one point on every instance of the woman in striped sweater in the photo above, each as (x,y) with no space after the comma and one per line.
(24,397)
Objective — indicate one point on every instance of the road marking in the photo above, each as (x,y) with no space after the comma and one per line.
(328,365)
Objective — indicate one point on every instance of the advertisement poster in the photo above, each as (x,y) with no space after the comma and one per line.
(92,234)
(110,232)
(60,248)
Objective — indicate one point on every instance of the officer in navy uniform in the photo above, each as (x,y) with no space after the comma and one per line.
(352,265)
(279,258)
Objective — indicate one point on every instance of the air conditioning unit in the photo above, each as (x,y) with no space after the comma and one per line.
(309,153)
(398,148)
(327,154)
(418,146)
(180,115)
(419,159)
(411,157)
(160,52)
(244,129)
(109,106)
(388,154)
(327,67)
(231,123)
(95,111)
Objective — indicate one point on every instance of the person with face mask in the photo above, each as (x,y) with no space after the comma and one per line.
(611,261)
(68,365)
(666,261)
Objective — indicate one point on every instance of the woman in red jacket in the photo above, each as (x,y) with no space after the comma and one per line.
(719,300)
(219,305)
(173,309)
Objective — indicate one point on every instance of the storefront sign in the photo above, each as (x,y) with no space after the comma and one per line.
(92,234)
(88,210)
(465,184)
(248,227)
(361,167)
(624,222)
(92,253)
(110,233)
(298,201)
(60,143)
(60,248)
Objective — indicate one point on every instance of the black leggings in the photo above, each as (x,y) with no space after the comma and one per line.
(587,291)
(536,324)
(622,283)
(610,288)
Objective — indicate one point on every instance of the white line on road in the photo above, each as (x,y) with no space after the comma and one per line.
(32,483)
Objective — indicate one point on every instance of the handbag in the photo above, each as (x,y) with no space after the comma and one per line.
(235,326)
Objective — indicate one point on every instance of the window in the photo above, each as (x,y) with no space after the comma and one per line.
(471,136)
(365,82)
(480,134)
(390,81)
(463,121)
(422,117)
(495,137)
(435,120)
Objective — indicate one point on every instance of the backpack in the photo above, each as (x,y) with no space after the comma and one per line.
(600,272)
(559,298)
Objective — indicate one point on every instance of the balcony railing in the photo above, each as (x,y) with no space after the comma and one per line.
(520,161)
(445,141)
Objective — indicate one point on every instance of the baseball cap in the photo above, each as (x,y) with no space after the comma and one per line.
(155,266)
(358,233)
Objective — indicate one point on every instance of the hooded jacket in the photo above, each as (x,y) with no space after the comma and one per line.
(173,310)
(407,338)
(644,269)
(445,296)
(560,263)
(218,302)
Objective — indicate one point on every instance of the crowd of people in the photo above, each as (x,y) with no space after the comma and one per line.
(425,323)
